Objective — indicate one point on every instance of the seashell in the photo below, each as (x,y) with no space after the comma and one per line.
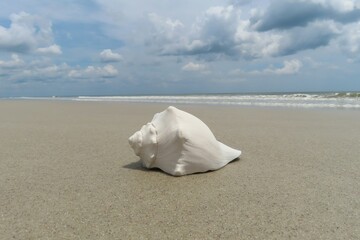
(179,143)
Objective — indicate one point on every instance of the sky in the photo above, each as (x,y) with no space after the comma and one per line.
(118,47)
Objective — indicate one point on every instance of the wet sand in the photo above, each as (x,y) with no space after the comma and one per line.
(67,172)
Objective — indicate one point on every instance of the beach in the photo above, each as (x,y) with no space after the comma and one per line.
(68,172)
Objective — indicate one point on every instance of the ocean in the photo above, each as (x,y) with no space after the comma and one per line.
(343,100)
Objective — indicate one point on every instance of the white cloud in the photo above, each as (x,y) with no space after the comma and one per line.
(109,56)
(223,31)
(37,71)
(250,44)
(349,42)
(194,67)
(165,33)
(44,73)
(108,71)
(53,49)
(15,62)
(25,33)
(212,32)
(44,70)
(290,67)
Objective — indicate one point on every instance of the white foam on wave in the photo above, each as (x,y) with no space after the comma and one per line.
(283,100)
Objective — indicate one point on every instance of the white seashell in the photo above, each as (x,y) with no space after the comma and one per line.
(179,144)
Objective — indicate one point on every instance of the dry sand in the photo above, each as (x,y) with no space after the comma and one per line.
(67,172)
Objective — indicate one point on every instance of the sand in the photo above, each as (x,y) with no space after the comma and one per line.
(67,172)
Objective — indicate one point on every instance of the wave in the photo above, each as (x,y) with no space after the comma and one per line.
(344,100)
(302,100)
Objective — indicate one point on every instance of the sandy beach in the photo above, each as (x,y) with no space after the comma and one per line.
(67,172)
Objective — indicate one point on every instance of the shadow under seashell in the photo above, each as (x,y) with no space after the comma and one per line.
(139,167)
(135,166)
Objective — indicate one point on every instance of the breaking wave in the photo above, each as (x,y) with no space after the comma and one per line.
(302,100)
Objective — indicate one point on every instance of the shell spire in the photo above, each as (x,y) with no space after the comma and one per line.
(180,144)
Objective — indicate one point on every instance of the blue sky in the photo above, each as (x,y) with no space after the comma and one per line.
(118,47)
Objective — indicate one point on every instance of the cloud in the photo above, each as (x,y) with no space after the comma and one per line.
(314,35)
(194,67)
(239,2)
(287,14)
(38,71)
(211,33)
(15,62)
(289,67)
(108,56)
(349,42)
(252,45)
(52,50)
(221,32)
(44,73)
(165,34)
(108,71)
(26,33)
(44,70)
(284,28)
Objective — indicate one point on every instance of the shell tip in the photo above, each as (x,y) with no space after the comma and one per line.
(171,108)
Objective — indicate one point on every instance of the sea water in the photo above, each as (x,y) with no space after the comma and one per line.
(303,100)
(346,100)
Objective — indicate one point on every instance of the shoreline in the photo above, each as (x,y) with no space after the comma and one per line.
(189,105)
(339,100)
(66,171)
